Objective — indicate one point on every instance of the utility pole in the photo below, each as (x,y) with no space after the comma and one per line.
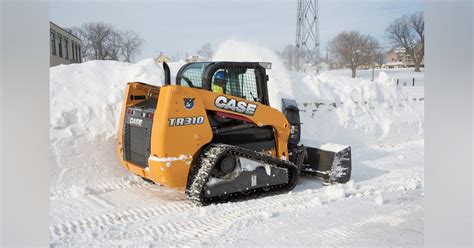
(374,53)
(307,34)
(373,66)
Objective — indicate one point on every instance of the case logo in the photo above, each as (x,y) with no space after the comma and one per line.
(188,103)
(234,105)
(136,121)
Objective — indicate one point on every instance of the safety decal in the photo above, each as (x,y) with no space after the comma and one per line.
(188,103)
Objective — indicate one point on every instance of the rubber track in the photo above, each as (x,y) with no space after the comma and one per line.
(211,155)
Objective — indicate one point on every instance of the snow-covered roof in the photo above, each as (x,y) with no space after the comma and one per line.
(194,56)
(394,63)
(163,57)
(399,50)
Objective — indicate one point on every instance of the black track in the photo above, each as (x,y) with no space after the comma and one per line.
(211,155)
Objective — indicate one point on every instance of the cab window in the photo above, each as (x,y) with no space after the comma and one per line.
(191,76)
(237,82)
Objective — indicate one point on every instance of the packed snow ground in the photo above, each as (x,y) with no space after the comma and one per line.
(95,202)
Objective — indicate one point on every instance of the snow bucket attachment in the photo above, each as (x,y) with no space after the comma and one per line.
(330,162)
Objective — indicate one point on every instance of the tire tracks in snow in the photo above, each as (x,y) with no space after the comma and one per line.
(101,222)
(340,236)
(215,219)
(206,225)
(99,188)
(194,231)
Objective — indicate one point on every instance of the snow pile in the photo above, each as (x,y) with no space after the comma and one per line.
(340,89)
(333,147)
(85,102)
(85,98)
(357,111)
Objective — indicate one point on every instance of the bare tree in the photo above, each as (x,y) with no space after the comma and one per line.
(102,41)
(353,49)
(206,50)
(408,32)
(114,45)
(289,58)
(131,45)
(95,36)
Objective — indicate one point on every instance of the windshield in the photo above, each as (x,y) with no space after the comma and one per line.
(191,74)
(240,82)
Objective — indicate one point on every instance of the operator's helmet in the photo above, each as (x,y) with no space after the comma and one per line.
(220,78)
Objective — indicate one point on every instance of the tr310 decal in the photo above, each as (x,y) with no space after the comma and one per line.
(186,121)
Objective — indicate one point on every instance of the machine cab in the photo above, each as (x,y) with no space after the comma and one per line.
(247,80)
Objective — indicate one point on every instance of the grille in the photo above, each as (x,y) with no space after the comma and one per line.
(137,145)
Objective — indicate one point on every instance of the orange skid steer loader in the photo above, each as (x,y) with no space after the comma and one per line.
(215,135)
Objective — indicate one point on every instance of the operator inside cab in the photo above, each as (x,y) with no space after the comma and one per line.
(220,82)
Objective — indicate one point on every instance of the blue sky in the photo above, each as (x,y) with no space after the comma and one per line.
(182,26)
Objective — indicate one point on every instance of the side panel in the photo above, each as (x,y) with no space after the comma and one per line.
(180,129)
(132,89)
(261,116)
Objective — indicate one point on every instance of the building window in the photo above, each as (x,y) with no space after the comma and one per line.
(52,37)
(73,47)
(60,45)
(72,50)
(79,53)
(66,48)
(75,51)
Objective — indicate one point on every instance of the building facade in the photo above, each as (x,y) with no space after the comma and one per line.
(396,58)
(195,58)
(65,48)
(162,58)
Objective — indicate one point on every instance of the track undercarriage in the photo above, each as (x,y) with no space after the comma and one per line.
(230,173)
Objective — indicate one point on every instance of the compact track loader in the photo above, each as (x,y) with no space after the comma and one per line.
(215,135)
